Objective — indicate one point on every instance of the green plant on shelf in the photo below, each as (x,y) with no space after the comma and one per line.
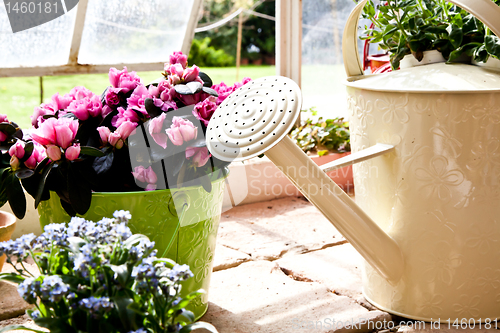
(403,27)
(322,136)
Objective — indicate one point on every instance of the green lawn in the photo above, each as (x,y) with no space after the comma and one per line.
(20,95)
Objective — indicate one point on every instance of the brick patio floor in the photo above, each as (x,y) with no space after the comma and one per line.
(280,266)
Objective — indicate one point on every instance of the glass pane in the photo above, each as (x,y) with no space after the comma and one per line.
(133,31)
(45,45)
(322,65)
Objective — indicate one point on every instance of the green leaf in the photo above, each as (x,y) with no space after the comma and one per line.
(122,273)
(7,128)
(207,81)
(19,327)
(28,150)
(151,108)
(11,277)
(128,316)
(16,197)
(91,151)
(456,36)
(80,193)
(41,186)
(24,173)
(104,163)
(492,44)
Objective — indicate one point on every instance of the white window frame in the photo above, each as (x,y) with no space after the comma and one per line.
(73,67)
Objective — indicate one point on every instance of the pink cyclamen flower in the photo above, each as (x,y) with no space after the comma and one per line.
(191,74)
(204,110)
(60,132)
(200,155)
(112,98)
(104,133)
(178,58)
(138,98)
(40,111)
(36,157)
(73,152)
(181,131)
(175,70)
(123,79)
(124,115)
(113,140)
(145,175)
(54,153)
(17,149)
(80,92)
(156,130)
(62,102)
(86,107)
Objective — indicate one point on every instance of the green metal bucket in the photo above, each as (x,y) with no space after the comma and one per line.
(190,241)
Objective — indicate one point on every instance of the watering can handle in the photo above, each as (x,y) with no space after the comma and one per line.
(485,10)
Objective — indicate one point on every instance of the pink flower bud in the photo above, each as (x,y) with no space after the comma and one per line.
(14,163)
(73,152)
(119,144)
(200,155)
(17,149)
(125,129)
(3,118)
(178,58)
(3,136)
(114,138)
(104,133)
(54,153)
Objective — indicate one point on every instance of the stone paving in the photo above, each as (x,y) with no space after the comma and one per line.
(280,266)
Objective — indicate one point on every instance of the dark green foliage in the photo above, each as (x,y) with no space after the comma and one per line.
(202,54)
(405,27)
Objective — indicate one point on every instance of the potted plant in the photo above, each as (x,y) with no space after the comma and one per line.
(98,277)
(412,27)
(136,147)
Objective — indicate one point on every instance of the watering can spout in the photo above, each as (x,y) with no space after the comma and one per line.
(375,245)
(256,119)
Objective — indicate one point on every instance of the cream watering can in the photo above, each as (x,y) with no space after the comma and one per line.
(428,220)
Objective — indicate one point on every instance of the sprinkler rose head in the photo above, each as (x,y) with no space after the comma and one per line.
(254,118)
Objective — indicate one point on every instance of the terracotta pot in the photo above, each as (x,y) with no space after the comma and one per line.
(7,226)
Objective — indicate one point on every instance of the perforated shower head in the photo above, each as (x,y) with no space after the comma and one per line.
(254,118)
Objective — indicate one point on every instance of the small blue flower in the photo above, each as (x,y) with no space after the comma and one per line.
(96,305)
(28,290)
(122,215)
(140,330)
(180,273)
(55,233)
(122,231)
(35,315)
(76,226)
(19,247)
(53,288)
